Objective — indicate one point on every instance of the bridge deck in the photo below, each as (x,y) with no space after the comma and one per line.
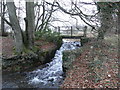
(72,37)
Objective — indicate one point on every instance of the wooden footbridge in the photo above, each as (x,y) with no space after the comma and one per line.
(72,37)
(70,32)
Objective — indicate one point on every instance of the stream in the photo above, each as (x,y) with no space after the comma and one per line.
(49,76)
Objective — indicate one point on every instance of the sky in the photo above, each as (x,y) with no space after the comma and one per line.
(65,17)
(88,9)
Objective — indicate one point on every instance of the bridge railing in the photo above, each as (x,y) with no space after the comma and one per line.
(70,30)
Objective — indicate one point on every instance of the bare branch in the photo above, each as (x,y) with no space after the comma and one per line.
(76,14)
(80,13)
(7,21)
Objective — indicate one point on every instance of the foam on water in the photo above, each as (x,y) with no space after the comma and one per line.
(52,73)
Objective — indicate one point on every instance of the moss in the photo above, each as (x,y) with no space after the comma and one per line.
(84,40)
(68,57)
(35,49)
(32,58)
(16,68)
(45,56)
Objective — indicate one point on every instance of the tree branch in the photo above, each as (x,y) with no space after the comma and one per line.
(76,14)
(7,21)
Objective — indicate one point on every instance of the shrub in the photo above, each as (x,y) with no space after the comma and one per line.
(49,36)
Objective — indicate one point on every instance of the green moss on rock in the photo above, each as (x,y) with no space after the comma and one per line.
(68,57)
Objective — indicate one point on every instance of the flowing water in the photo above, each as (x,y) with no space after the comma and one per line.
(51,76)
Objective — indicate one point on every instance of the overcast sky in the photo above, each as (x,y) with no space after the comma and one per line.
(87,9)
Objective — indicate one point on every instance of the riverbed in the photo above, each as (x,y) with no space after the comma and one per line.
(49,75)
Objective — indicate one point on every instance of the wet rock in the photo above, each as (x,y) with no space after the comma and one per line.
(52,74)
(51,80)
(9,85)
(27,60)
(78,45)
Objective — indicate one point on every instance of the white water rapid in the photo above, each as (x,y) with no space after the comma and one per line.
(51,75)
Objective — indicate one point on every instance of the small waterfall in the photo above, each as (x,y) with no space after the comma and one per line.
(51,75)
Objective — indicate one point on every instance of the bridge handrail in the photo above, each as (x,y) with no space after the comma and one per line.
(71,30)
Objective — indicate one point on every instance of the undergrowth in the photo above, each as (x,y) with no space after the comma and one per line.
(49,36)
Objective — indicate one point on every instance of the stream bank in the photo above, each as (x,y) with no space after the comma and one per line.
(48,76)
(43,53)
(96,67)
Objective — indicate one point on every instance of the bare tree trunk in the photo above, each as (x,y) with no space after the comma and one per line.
(43,17)
(2,21)
(51,11)
(118,14)
(106,19)
(15,26)
(30,23)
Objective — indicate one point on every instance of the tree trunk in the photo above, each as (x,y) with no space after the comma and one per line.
(2,21)
(15,26)
(118,14)
(105,18)
(30,24)
(105,24)
(101,33)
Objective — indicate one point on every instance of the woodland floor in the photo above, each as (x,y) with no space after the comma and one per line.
(96,67)
(8,46)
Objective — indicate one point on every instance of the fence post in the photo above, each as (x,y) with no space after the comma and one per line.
(58,29)
(71,31)
(85,31)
